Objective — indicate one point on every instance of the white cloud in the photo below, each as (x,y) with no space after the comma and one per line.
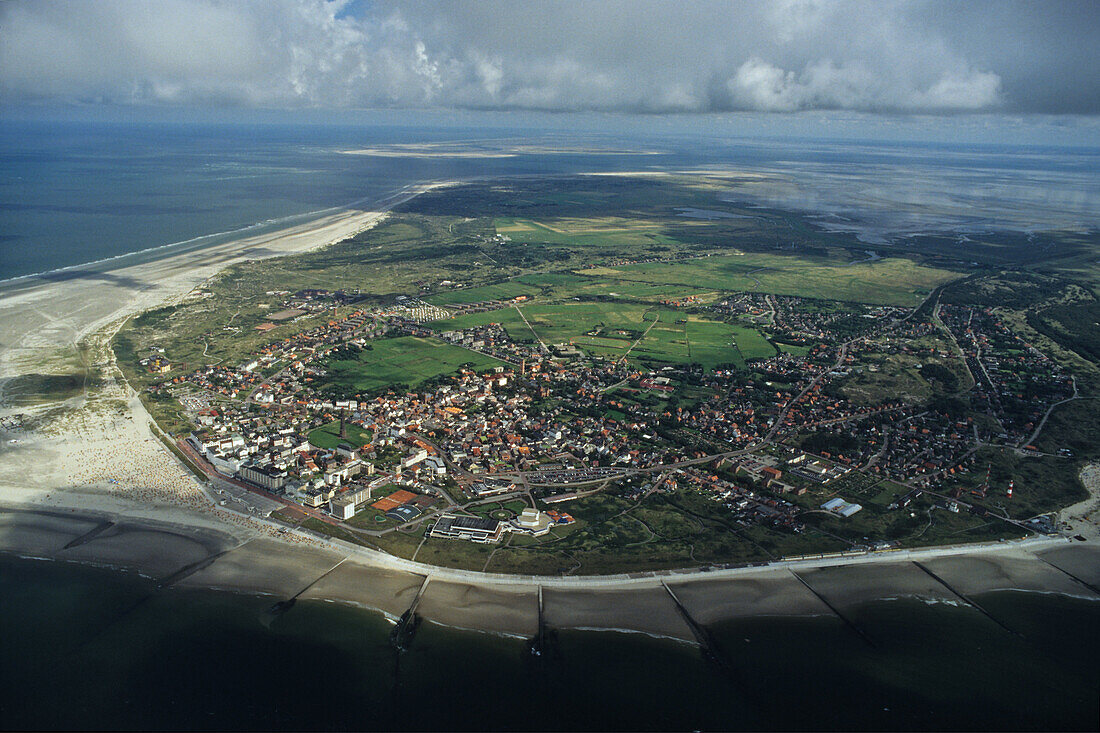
(627,55)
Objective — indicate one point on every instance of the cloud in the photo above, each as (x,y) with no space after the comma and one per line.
(758,85)
(891,56)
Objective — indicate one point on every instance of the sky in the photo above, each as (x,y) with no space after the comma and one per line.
(886,60)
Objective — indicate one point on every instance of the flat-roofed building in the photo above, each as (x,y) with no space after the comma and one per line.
(342,507)
(265,477)
(474,529)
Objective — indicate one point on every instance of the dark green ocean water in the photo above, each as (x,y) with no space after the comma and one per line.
(87,648)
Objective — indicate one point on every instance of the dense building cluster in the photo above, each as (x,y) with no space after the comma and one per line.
(556,422)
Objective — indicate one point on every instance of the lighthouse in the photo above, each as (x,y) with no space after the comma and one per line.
(1009,493)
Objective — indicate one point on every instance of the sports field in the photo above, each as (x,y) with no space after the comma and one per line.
(328,436)
(407,360)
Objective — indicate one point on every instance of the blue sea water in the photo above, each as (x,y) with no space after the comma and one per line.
(91,649)
(73,193)
(78,192)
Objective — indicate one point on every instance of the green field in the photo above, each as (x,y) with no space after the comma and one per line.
(485,292)
(610,329)
(407,360)
(328,436)
(570,285)
(890,281)
(592,232)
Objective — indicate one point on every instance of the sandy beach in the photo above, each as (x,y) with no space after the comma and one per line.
(467,606)
(775,593)
(91,483)
(647,610)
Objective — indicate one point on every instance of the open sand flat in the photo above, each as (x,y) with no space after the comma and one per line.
(1081,561)
(151,551)
(844,586)
(975,574)
(41,534)
(389,591)
(506,611)
(775,593)
(265,566)
(649,610)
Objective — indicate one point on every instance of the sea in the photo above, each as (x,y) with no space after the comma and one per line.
(93,648)
(90,648)
(73,193)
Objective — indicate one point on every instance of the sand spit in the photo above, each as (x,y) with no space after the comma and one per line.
(389,591)
(844,587)
(647,610)
(505,611)
(265,566)
(776,593)
(972,575)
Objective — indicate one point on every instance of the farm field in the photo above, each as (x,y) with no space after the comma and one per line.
(407,360)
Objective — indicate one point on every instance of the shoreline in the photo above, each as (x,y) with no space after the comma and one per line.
(509,607)
(115,471)
(274,227)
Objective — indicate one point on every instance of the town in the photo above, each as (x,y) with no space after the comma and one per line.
(519,427)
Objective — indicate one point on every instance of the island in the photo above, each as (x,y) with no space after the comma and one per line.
(621,401)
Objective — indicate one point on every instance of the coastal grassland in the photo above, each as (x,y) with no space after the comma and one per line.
(408,360)
(895,377)
(580,285)
(611,535)
(1072,321)
(890,281)
(447,234)
(592,234)
(921,524)
(328,435)
(507,289)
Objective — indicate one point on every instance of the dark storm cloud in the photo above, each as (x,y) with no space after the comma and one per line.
(907,56)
